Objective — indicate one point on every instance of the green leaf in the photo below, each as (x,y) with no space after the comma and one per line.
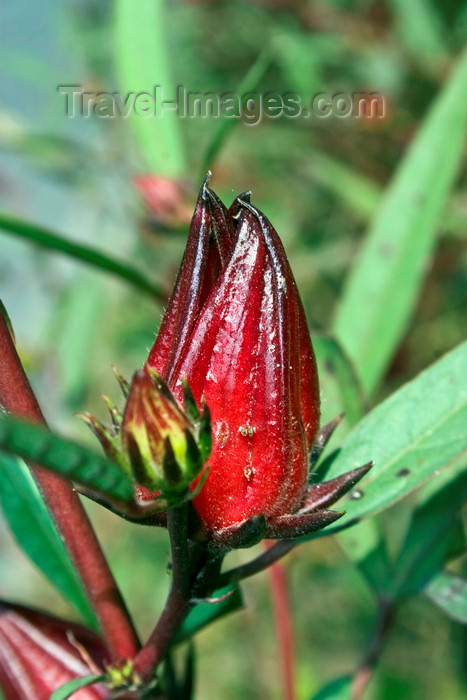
(419,24)
(35,532)
(142,62)
(449,593)
(338,689)
(386,279)
(365,545)
(67,690)
(411,435)
(435,534)
(55,242)
(36,444)
(336,367)
(431,535)
(358,192)
(205,613)
(249,83)
(74,329)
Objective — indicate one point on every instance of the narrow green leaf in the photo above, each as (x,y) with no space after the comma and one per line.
(70,688)
(385,281)
(55,242)
(204,613)
(338,689)
(35,532)
(419,25)
(449,593)
(302,58)
(36,444)
(415,432)
(142,62)
(249,83)
(337,367)
(354,189)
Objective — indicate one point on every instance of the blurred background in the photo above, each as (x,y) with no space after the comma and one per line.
(320,181)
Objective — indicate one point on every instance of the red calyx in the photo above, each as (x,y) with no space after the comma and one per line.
(236,330)
(39,653)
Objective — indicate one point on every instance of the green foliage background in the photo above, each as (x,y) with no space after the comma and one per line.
(373,216)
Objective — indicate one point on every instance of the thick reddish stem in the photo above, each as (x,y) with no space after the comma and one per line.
(70,518)
(178,601)
(283,623)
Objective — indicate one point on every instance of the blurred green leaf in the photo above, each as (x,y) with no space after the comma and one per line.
(77,321)
(359,193)
(249,83)
(365,545)
(449,593)
(337,367)
(385,281)
(52,241)
(204,613)
(415,432)
(142,62)
(36,444)
(435,534)
(67,690)
(35,532)
(338,689)
(53,154)
(419,25)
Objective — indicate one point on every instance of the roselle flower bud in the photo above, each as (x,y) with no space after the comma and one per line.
(157,443)
(166,450)
(39,653)
(236,331)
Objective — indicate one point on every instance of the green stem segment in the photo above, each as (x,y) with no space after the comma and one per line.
(71,521)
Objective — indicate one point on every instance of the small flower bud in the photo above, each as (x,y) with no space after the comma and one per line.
(166,450)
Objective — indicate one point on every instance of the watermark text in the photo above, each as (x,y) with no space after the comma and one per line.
(251,108)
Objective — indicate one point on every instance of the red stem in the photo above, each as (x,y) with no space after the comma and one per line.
(178,601)
(69,516)
(283,623)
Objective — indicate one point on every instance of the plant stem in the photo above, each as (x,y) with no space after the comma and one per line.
(273,554)
(382,629)
(178,602)
(283,623)
(68,514)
